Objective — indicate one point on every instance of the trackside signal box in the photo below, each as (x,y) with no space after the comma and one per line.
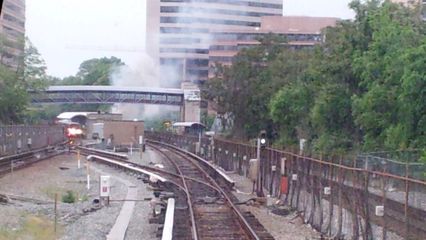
(105,186)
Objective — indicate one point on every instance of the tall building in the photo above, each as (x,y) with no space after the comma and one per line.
(299,31)
(179,32)
(12,30)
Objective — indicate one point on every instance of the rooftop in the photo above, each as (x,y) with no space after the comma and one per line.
(296,24)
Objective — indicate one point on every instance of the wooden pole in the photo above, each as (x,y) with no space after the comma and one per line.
(406,202)
(56,212)
(384,230)
(340,201)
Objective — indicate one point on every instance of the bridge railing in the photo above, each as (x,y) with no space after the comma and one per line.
(326,189)
(21,138)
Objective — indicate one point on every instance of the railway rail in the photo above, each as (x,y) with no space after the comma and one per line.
(21,160)
(213,212)
(204,208)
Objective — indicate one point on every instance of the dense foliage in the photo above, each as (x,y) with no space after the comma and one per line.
(96,71)
(30,73)
(364,87)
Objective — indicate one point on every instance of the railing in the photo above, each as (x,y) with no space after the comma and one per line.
(19,138)
(326,190)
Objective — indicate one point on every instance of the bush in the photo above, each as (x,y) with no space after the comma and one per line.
(69,197)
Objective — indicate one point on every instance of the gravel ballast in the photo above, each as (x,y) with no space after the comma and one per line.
(58,175)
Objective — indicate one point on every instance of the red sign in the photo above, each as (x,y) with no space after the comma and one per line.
(284,185)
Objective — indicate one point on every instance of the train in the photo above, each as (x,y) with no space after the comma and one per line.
(73,131)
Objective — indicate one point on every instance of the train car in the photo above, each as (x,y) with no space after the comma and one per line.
(189,128)
(72,131)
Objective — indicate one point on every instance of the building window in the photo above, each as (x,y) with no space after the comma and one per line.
(183,30)
(223,48)
(221,59)
(208,21)
(13,32)
(176,9)
(234,2)
(184,50)
(180,40)
(13,20)
(12,7)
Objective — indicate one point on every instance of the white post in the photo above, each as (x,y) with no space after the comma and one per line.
(199,142)
(302,146)
(283,161)
(131,148)
(78,159)
(88,175)
(141,146)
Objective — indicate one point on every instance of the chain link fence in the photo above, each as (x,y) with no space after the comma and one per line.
(342,197)
(21,138)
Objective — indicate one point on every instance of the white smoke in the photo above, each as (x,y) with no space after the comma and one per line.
(143,74)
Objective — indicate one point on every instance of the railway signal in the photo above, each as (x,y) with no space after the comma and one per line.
(263,140)
(261,147)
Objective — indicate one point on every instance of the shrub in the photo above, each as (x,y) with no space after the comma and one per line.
(69,197)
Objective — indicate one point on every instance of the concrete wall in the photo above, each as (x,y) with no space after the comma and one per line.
(124,132)
(99,118)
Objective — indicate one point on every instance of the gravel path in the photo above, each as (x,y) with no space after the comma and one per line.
(58,175)
(280,227)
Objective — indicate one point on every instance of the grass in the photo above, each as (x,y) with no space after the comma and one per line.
(33,227)
(69,197)
(52,190)
(62,192)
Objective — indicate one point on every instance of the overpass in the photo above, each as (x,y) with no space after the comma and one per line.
(188,97)
(109,95)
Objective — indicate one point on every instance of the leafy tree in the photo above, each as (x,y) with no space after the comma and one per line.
(289,108)
(13,97)
(241,89)
(14,82)
(363,87)
(384,69)
(33,68)
(98,71)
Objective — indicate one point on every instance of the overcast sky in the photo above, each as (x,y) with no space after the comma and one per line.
(67,32)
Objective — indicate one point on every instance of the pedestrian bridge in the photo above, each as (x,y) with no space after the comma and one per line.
(188,97)
(109,95)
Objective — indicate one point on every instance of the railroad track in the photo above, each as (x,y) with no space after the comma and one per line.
(212,212)
(204,208)
(21,160)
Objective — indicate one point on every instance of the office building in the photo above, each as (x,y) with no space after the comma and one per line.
(12,31)
(299,31)
(179,32)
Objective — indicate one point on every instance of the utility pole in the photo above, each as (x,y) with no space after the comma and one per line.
(261,147)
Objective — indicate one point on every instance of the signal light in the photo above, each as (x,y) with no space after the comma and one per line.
(263,139)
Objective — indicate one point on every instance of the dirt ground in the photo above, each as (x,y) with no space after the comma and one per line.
(31,215)
(289,227)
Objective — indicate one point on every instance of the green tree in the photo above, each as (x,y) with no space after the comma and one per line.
(33,68)
(13,96)
(14,82)
(98,71)
(244,88)
(385,71)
